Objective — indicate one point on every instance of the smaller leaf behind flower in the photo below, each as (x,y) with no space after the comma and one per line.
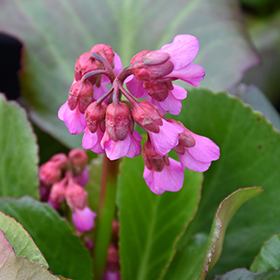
(20,240)
(269,256)
(14,267)
(213,248)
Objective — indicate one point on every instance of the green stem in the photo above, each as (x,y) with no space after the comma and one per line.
(105,215)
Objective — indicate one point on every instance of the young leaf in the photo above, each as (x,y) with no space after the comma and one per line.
(63,250)
(244,274)
(269,256)
(14,267)
(18,160)
(250,156)
(20,240)
(150,224)
(51,51)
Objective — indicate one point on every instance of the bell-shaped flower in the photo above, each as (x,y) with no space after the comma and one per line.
(83,219)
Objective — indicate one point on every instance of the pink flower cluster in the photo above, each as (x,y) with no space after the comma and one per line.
(107,120)
(62,179)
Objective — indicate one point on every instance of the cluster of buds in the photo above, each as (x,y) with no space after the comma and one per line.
(62,179)
(107,116)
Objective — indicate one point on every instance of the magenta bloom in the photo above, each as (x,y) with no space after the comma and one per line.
(200,156)
(166,139)
(129,147)
(92,141)
(170,178)
(82,178)
(83,219)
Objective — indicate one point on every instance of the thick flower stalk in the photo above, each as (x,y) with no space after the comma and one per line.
(107,114)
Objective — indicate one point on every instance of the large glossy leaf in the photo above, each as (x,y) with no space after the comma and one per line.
(18,160)
(20,240)
(14,267)
(250,156)
(63,250)
(196,265)
(150,224)
(244,274)
(55,33)
(269,256)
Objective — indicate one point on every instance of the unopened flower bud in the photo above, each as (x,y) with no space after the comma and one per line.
(57,194)
(95,116)
(112,264)
(158,90)
(44,192)
(152,65)
(49,173)
(118,119)
(152,159)
(81,94)
(83,219)
(76,196)
(78,159)
(104,51)
(84,64)
(147,115)
(61,160)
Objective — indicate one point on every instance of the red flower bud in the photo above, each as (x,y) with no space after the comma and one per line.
(61,160)
(84,64)
(81,94)
(50,173)
(104,51)
(78,159)
(95,116)
(158,90)
(57,194)
(118,120)
(147,115)
(152,159)
(76,196)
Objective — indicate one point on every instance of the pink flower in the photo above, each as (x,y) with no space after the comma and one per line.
(73,119)
(130,146)
(92,141)
(83,219)
(199,157)
(82,178)
(170,178)
(167,138)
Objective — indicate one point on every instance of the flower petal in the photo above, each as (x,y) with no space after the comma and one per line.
(148,175)
(182,50)
(192,74)
(117,149)
(191,163)
(135,145)
(83,219)
(92,141)
(135,87)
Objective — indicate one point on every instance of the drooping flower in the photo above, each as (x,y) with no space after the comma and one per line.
(83,219)
(154,70)
(194,151)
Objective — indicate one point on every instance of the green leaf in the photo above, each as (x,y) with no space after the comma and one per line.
(14,267)
(129,27)
(63,250)
(254,97)
(250,156)
(20,240)
(18,160)
(244,274)
(188,265)
(152,223)
(269,256)
(187,261)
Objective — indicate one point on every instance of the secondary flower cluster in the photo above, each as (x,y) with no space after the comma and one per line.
(62,179)
(107,119)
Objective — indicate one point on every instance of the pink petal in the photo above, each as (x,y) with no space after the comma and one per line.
(135,87)
(167,138)
(192,74)
(73,119)
(158,104)
(83,219)
(191,163)
(92,141)
(117,69)
(99,91)
(205,150)
(179,92)
(148,175)
(117,149)
(135,145)
(182,50)
(82,178)
(171,178)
